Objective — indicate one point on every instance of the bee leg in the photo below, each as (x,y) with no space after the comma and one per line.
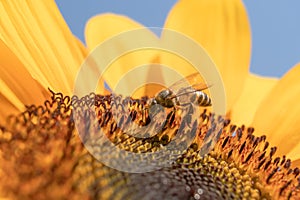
(189,110)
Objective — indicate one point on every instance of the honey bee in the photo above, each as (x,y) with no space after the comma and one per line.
(183,92)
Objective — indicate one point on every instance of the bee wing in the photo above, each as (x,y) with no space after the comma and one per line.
(193,82)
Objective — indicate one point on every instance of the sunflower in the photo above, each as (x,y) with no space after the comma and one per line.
(42,157)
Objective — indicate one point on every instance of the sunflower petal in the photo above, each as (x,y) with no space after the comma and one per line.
(7,108)
(37,34)
(102,28)
(222,28)
(294,153)
(278,114)
(16,83)
(296,163)
(255,90)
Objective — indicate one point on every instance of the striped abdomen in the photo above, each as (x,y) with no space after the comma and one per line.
(203,99)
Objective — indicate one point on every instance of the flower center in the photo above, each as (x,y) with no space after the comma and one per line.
(42,156)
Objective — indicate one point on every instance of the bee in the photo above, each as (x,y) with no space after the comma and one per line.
(183,92)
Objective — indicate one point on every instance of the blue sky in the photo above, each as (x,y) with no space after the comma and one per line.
(275,26)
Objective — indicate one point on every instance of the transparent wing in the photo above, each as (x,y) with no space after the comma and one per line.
(189,84)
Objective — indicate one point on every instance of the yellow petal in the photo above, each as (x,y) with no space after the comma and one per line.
(222,28)
(7,108)
(38,35)
(296,163)
(150,88)
(255,90)
(17,87)
(99,33)
(294,153)
(102,27)
(278,115)
(16,83)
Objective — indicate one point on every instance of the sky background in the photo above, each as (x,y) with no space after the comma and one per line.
(275,26)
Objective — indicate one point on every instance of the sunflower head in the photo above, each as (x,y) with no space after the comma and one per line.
(51,158)
(64,147)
